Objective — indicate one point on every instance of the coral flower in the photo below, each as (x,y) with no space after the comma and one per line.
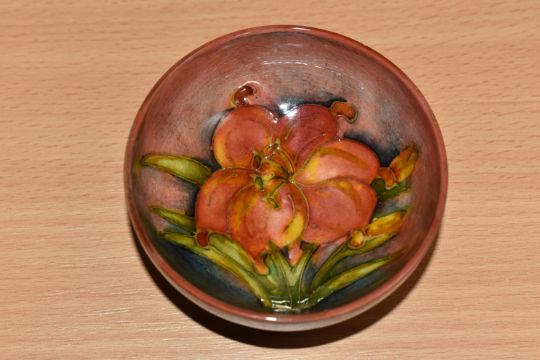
(285,180)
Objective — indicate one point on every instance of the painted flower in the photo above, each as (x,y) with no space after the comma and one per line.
(286,180)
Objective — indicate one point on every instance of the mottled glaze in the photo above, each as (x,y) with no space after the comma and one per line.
(288,67)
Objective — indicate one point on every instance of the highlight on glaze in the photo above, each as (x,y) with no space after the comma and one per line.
(289,189)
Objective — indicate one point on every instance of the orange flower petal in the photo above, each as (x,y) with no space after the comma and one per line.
(215,195)
(254,220)
(341,108)
(241,132)
(337,207)
(304,128)
(340,158)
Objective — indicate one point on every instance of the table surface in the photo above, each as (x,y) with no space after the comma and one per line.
(75,285)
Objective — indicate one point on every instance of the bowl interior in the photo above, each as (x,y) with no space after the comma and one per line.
(292,67)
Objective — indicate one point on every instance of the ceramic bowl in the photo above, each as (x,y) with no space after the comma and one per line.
(285,178)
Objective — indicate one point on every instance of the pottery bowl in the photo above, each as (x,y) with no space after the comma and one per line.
(285,178)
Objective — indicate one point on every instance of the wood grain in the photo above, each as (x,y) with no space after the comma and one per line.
(73,282)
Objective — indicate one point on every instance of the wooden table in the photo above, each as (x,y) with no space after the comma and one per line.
(75,285)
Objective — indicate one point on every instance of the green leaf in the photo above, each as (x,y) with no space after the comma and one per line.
(186,241)
(217,257)
(185,168)
(378,185)
(281,291)
(292,273)
(347,278)
(290,293)
(345,251)
(378,232)
(274,280)
(177,218)
(231,249)
(383,193)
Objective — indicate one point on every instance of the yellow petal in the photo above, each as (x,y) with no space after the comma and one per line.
(357,239)
(387,224)
(403,164)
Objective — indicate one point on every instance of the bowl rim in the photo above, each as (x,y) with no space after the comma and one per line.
(278,321)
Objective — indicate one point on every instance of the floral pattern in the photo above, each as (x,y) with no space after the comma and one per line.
(287,188)
(285,180)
